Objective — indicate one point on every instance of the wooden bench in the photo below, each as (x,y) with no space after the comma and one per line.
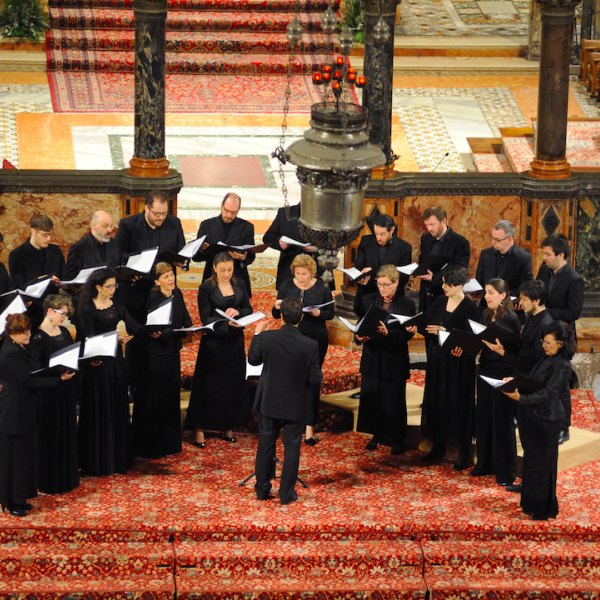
(592,76)
(587,46)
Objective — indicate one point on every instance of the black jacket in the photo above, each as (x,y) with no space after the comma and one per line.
(5,282)
(555,372)
(565,300)
(19,394)
(398,254)
(85,254)
(240,234)
(453,245)
(132,238)
(514,268)
(24,264)
(291,366)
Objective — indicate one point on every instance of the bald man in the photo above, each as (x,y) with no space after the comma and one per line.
(97,249)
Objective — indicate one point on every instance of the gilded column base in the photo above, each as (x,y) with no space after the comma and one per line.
(383,172)
(149,167)
(550,169)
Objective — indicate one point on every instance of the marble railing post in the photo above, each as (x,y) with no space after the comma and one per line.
(379,71)
(535,31)
(558,17)
(150,64)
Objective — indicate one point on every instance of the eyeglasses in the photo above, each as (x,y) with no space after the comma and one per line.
(159,215)
(545,344)
(497,241)
(60,312)
(114,286)
(45,234)
(385,285)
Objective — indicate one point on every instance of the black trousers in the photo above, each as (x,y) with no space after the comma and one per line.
(265,467)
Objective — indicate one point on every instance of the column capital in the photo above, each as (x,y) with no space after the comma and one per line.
(150,6)
(388,7)
(558,7)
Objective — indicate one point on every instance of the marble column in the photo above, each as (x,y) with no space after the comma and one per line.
(379,71)
(150,64)
(558,17)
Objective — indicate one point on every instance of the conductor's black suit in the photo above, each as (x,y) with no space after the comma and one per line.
(291,365)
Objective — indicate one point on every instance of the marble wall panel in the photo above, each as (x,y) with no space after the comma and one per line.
(70,214)
(587,261)
(471,216)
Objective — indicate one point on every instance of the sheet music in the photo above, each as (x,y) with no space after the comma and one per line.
(189,250)
(67,357)
(443,336)
(408,269)
(81,277)
(472,286)
(17,306)
(349,325)
(287,240)
(496,383)
(316,306)
(160,315)
(402,318)
(143,262)
(253,371)
(101,345)
(477,327)
(248,320)
(210,326)
(36,290)
(352,272)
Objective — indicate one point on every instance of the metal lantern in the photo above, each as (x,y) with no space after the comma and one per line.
(294,32)
(329,23)
(381,31)
(334,163)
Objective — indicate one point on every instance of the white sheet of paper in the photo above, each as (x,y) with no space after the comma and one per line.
(247,320)
(210,326)
(349,325)
(253,371)
(160,315)
(104,344)
(477,327)
(143,262)
(81,277)
(472,286)
(17,306)
(242,248)
(287,240)
(310,308)
(36,290)
(408,269)
(443,336)
(192,248)
(352,272)
(492,381)
(402,318)
(69,359)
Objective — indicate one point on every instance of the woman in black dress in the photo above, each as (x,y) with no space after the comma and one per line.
(219,396)
(311,292)
(19,416)
(156,423)
(57,448)
(540,416)
(495,423)
(385,365)
(104,411)
(448,416)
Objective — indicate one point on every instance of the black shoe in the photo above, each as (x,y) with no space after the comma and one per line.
(438,451)
(514,487)
(293,499)
(25,506)
(462,462)
(460,466)
(263,498)
(539,517)
(563,436)
(227,438)
(310,441)
(372,445)
(14,510)
(199,444)
(355,396)
(397,449)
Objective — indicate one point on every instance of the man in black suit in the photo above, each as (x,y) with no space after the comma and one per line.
(229,229)
(97,249)
(289,227)
(374,251)
(441,241)
(154,227)
(504,259)
(565,294)
(34,259)
(291,366)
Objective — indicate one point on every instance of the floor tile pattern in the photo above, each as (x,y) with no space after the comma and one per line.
(463,17)
(17,99)
(590,107)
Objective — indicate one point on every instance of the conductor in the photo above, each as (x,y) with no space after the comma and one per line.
(291,365)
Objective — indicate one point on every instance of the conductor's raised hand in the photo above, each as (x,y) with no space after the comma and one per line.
(261,326)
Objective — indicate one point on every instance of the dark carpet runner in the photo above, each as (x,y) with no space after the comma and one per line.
(203,36)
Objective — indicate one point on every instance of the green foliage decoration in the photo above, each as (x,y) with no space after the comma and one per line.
(23,19)
(352,15)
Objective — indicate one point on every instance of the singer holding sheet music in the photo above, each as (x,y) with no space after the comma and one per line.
(156,423)
(104,411)
(494,425)
(385,365)
(19,416)
(448,416)
(57,456)
(219,396)
(311,292)
(540,418)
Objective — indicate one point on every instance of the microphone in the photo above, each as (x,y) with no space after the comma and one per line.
(441,161)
